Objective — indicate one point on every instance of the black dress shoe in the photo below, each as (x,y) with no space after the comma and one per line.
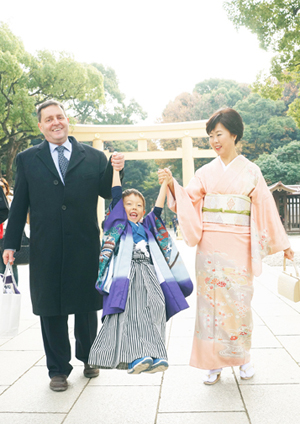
(59,383)
(90,372)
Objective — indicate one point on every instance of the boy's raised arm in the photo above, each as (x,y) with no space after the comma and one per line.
(116,179)
(167,174)
(160,201)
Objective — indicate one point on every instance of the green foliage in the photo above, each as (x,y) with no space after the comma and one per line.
(266,125)
(294,110)
(207,97)
(282,164)
(115,111)
(218,93)
(287,88)
(26,81)
(277,25)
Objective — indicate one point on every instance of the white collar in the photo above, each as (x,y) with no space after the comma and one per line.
(67,145)
(228,165)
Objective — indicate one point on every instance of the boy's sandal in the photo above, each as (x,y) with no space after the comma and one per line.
(217,373)
(248,372)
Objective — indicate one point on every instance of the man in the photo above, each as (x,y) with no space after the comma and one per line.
(61,189)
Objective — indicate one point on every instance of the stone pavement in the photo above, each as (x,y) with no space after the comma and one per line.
(176,397)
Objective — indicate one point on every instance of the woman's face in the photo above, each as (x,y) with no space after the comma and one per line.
(222,141)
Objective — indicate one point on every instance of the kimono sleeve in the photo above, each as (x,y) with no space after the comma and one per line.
(188,203)
(268,235)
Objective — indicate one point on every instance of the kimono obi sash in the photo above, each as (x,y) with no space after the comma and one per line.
(230,209)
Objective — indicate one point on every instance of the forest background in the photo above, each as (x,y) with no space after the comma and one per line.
(270,107)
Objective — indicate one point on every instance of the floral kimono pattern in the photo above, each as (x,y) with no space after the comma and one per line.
(232,218)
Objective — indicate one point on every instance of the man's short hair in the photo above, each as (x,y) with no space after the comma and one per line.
(48,103)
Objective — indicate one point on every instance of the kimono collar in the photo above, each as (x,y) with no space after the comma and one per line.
(228,165)
(138,232)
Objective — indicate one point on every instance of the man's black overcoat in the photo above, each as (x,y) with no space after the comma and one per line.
(64,232)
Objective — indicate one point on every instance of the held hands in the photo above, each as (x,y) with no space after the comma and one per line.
(165,175)
(117,161)
(289,254)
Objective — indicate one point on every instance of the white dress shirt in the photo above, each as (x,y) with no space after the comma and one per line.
(54,153)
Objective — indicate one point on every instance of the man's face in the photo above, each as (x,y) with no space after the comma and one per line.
(54,124)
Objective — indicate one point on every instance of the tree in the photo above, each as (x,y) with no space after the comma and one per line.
(216,94)
(181,109)
(266,125)
(27,80)
(290,93)
(277,25)
(115,111)
(282,164)
(207,97)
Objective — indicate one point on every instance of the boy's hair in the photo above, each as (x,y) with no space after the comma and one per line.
(130,191)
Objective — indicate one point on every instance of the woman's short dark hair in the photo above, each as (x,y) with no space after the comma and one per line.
(231,120)
(130,191)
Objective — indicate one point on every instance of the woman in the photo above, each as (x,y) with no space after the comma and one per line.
(229,212)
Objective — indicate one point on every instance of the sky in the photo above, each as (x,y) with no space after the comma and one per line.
(158,48)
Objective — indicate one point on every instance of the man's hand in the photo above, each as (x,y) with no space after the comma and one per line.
(8,256)
(117,161)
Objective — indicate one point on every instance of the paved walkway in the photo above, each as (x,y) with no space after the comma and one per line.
(178,396)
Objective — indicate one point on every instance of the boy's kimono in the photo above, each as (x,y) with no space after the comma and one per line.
(115,261)
(232,217)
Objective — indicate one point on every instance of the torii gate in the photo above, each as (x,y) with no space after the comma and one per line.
(186,131)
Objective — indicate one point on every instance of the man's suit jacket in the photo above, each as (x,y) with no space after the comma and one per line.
(64,232)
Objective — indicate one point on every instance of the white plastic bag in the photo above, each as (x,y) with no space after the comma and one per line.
(10,304)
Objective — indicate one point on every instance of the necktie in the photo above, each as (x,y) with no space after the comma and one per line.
(62,161)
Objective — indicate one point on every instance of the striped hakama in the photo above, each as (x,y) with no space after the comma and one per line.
(138,331)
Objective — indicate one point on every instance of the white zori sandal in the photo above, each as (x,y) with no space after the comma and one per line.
(247,371)
(212,377)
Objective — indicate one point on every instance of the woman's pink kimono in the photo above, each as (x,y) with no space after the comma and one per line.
(231,215)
